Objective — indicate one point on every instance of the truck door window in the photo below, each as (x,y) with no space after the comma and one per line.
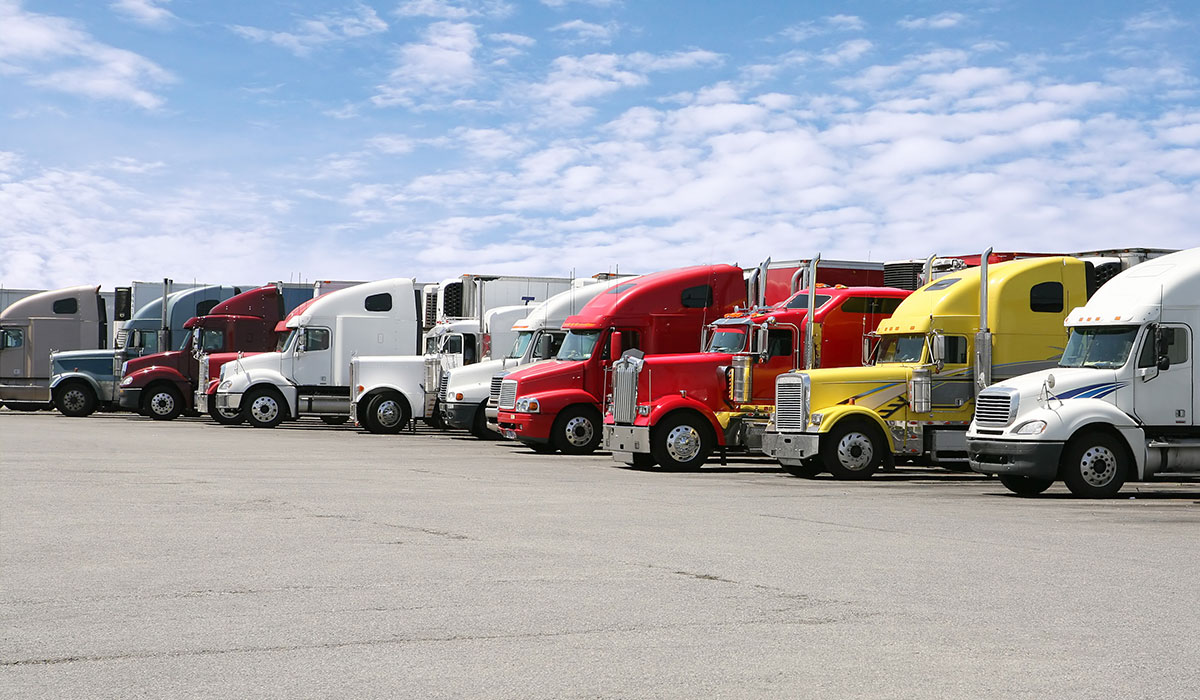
(956,350)
(468,342)
(13,338)
(146,340)
(1176,350)
(453,344)
(378,302)
(1046,297)
(779,343)
(556,341)
(316,339)
(212,340)
(698,297)
(66,306)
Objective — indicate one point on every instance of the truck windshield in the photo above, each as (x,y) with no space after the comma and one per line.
(524,338)
(286,341)
(578,345)
(728,339)
(901,348)
(1102,347)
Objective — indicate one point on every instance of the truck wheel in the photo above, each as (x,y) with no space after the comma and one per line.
(853,449)
(1094,465)
(263,408)
(162,402)
(387,414)
(576,431)
(806,469)
(75,399)
(334,420)
(224,416)
(1025,485)
(681,443)
(479,426)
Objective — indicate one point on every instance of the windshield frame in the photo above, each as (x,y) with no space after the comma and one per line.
(1133,334)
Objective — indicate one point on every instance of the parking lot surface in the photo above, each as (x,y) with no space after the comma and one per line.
(184,559)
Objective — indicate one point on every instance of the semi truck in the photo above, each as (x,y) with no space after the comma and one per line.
(556,405)
(1121,403)
(163,385)
(85,380)
(463,392)
(943,344)
(675,410)
(71,318)
(309,375)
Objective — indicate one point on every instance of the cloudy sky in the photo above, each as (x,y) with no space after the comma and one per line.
(223,140)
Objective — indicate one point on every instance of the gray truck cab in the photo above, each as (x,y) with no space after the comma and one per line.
(71,318)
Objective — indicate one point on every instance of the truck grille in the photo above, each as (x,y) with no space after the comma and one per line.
(995,408)
(202,377)
(625,383)
(494,395)
(442,382)
(508,394)
(431,376)
(122,336)
(791,403)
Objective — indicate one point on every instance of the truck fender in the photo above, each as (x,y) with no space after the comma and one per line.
(835,414)
(260,377)
(1066,419)
(212,386)
(145,377)
(414,396)
(672,404)
(71,376)
(553,402)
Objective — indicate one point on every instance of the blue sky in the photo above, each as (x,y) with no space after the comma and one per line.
(251,141)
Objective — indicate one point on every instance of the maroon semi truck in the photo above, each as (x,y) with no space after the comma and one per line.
(675,410)
(162,385)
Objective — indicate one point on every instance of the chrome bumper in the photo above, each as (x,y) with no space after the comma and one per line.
(791,448)
(231,402)
(623,440)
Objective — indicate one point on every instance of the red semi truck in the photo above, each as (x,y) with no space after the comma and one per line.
(162,385)
(674,410)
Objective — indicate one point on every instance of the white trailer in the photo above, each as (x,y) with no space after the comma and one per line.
(1121,406)
(310,374)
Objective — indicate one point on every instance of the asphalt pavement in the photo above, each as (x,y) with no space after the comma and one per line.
(189,560)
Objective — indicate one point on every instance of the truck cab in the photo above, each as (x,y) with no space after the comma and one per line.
(72,318)
(556,405)
(940,347)
(1121,403)
(674,410)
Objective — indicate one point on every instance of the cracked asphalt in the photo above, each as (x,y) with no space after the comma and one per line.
(188,560)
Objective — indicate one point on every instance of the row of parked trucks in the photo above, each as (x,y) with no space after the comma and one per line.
(1033,367)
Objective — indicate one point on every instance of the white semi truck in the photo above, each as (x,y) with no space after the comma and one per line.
(310,373)
(475,313)
(1121,405)
(463,392)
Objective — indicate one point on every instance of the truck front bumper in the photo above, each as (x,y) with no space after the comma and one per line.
(229,401)
(493,418)
(791,449)
(527,427)
(626,440)
(130,399)
(1015,457)
(459,414)
(201,400)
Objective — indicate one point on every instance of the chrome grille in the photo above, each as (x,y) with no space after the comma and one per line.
(791,403)
(625,383)
(995,408)
(508,394)
(442,382)
(202,376)
(122,336)
(431,376)
(494,394)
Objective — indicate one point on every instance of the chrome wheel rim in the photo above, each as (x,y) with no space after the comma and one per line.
(388,413)
(162,403)
(264,409)
(579,431)
(855,451)
(73,400)
(1098,466)
(683,443)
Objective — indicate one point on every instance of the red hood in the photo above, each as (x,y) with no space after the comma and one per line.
(554,374)
(172,358)
(700,374)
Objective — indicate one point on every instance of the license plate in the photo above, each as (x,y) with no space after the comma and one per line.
(510,434)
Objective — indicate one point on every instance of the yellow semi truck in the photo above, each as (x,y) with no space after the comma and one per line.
(942,345)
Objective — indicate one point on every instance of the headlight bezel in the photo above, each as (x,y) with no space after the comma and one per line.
(225,384)
(528,404)
(1036,426)
(127,381)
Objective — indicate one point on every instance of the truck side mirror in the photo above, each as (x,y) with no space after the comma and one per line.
(614,345)
(937,350)
(300,344)
(763,338)
(543,346)
(1163,337)
(868,349)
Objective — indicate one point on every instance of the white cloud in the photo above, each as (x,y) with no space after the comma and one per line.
(133,166)
(944,20)
(514,39)
(311,33)
(587,31)
(391,144)
(148,12)
(443,62)
(57,54)
(1153,21)
(826,25)
(596,3)
(848,52)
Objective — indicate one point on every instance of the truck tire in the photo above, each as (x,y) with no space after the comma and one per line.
(226,416)
(162,402)
(806,469)
(75,399)
(479,426)
(852,450)
(263,408)
(1025,485)
(387,414)
(1094,465)
(334,420)
(682,442)
(576,431)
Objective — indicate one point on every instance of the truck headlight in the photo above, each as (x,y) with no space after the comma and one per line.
(528,405)
(643,410)
(225,384)
(127,381)
(816,418)
(1033,427)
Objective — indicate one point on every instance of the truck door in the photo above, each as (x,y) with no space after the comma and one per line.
(313,366)
(780,358)
(1164,398)
(12,352)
